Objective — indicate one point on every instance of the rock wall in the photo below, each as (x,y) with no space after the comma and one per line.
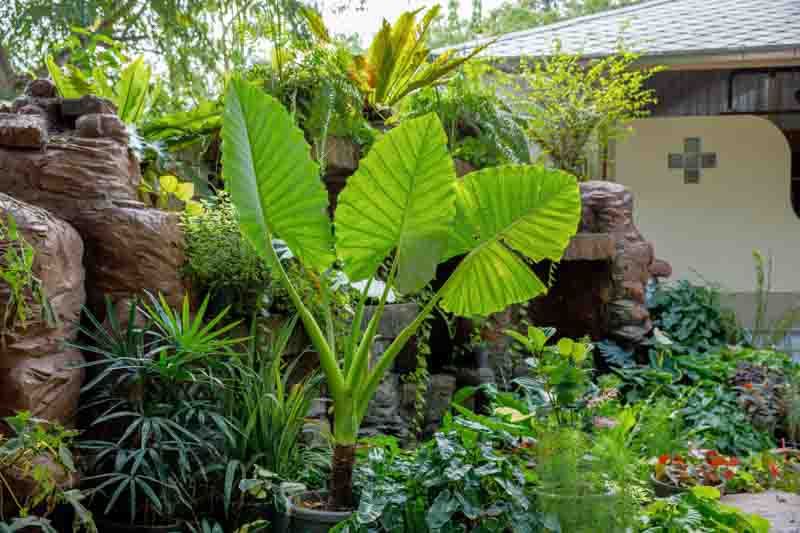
(601,281)
(70,181)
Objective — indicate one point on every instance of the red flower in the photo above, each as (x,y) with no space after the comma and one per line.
(711,453)
(728,474)
(748,385)
(734,461)
(773,469)
(717,461)
(664,459)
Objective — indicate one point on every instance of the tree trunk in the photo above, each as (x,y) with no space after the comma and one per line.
(341,496)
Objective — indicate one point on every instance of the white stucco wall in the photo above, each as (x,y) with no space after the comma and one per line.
(712,227)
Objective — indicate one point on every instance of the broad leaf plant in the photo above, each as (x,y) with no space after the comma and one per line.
(404,208)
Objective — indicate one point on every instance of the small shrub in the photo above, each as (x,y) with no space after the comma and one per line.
(220,260)
(693,317)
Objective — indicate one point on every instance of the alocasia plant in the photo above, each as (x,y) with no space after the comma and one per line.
(404,203)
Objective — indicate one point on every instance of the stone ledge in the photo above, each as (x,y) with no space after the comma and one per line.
(591,247)
(22,131)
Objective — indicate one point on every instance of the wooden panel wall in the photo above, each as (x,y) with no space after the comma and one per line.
(704,93)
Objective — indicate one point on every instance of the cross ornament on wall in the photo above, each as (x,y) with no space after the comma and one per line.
(693,160)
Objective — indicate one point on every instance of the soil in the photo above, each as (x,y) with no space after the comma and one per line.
(782,509)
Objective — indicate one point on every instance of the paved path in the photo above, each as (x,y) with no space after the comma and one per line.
(782,509)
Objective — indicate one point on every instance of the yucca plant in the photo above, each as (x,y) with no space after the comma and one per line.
(404,204)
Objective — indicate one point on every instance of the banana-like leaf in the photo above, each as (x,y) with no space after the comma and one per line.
(273,181)
(401,197)
(64,84)
(504,214)
(396,63)
(132,90)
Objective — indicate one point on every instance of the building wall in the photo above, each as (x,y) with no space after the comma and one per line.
(705,93)
(709,229)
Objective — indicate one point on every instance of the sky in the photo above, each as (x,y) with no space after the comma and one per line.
(366,23)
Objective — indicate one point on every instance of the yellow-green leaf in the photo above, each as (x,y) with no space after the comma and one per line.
(168,184)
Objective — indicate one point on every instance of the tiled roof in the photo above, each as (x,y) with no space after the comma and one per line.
(664,27)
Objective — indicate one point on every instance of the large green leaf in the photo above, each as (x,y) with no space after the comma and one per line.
(272,179)
(65,84)
(504,213)
(403,197)
(132,90)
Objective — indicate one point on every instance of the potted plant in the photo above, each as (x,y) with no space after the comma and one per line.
(403,204)
(156,425)
(676,474)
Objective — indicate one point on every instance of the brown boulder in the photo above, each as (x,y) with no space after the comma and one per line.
(97,126)
(130,249)
(58,265)
(660,269)
(22,131)
(41,88)
(73,178)
(47,386)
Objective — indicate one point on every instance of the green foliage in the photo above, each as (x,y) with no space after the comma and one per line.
(692,317)
(397,61)
(659,429)
(269,412)
(481,129)
(464,479)
(219,259)
(129,90)
(568,103)
(699,511)
(597,475)
(29,440)
(16,272)
(282,196)
(158,425)
(768,331)
(714,419)
(560,370)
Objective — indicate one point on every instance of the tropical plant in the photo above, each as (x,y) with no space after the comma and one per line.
(16,273)
(21,457)
(693,317)
(404,202)
(131,93)
(597,475)
(559,370)
(269,414)
(569,102)
(467,478)
(714,419)
(699,511)
(156,425)
(170,193)
(481,128)
(396,63)
(220,261)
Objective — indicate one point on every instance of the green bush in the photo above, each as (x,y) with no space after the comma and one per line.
(693,317)
(220,261)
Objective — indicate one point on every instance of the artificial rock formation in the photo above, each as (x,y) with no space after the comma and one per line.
(70,181)
(37,372)
(601,281)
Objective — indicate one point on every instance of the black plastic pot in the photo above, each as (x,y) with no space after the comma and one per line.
(307,520)
(665,490)
(108,526)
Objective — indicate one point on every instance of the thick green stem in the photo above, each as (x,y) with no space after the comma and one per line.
(367,390)
(326,356)
(361,358)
